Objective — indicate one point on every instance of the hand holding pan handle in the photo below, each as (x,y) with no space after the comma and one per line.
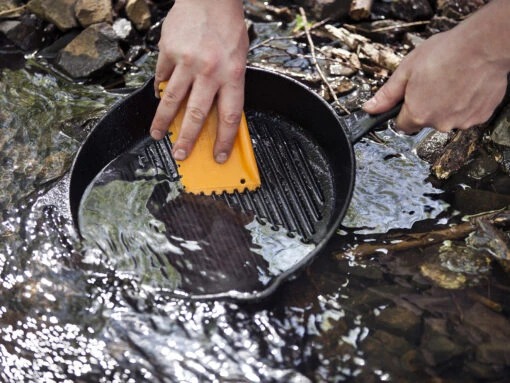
(359,123)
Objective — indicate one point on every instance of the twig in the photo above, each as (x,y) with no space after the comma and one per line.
(12,10)
(295,36)
(316,64)
(495,306)
(387,28)
(413,240)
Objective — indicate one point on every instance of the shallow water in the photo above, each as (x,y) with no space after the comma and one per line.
(67,314)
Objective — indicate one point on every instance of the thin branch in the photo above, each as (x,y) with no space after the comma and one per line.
(387,28)
(316,64)
(292,37)
(12,10)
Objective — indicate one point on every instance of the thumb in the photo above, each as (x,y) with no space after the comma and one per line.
(388,95)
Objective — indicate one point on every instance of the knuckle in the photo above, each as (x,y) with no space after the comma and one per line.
(196,115)
(237,71)
(230,118)
(170,98)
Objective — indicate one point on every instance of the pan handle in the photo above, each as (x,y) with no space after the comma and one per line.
(366,122)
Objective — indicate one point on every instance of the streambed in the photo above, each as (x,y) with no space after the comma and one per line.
(67,315)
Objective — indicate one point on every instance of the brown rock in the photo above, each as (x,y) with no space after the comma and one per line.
(400,322)
(58,12)
(90,12)
(139,13)
(93,49)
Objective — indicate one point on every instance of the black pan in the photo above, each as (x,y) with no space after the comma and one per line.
(241,245)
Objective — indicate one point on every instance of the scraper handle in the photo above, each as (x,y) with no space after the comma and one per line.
(371,121)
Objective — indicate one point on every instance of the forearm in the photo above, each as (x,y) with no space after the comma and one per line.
(487,32)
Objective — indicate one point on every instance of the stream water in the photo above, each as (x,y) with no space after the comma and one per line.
(67,316)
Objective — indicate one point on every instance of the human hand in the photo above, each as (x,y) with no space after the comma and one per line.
(202,53)
(455,79)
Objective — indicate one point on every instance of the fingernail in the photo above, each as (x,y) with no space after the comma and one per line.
(370,103)
(179,155)
(157,134)
(221,158)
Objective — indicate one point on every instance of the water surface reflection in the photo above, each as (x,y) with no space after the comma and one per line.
(69,317)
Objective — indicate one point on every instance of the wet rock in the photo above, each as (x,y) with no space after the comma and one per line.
(28,33)
(139,13)
(442,277)
(384,340)
(383,31)
(339,69)
(495,352)
(457,9)
(440,24)
(134,53)
(93,49)
(501,131)
(320,9)
(58,12)
(53,167)
(401,322)
(485,201)
(154,33)
(486,325)
(464,259)
(431,147)
(90,12)
(482,166)
(439,349)
(411,10)
(485,372)
(413,40)
(53,50)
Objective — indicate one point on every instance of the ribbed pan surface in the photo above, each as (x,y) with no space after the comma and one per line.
(296,192)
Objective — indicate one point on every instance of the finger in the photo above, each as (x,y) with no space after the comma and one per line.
(198,106)
(405,123)
(164,69)
(389,95)
(174,94)
(230,109)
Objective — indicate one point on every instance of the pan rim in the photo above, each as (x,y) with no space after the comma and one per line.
(286,275)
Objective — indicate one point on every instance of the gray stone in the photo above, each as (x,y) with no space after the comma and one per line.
(26,33)
(93,49)
(58,12)
(123,28)
(90,12)
(139,13)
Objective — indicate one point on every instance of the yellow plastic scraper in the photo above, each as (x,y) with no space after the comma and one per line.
(200,173)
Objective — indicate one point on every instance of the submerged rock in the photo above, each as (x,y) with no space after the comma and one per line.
(93,49)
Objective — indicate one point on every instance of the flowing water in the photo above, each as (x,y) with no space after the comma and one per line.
(68,314)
